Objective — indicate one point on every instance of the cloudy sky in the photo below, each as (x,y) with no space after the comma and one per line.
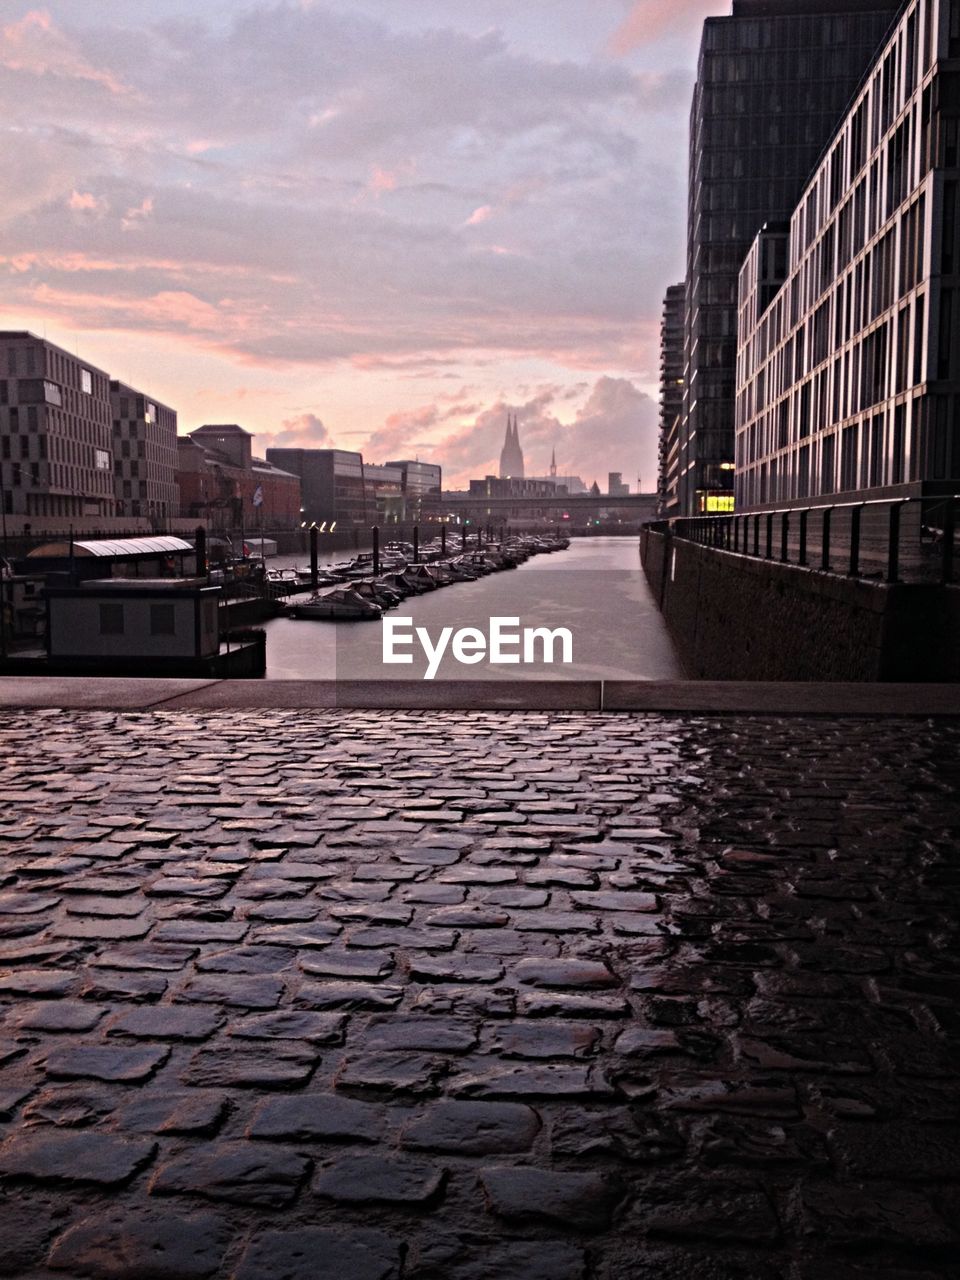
(379,224)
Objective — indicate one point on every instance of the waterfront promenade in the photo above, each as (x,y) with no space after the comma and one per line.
(468,995)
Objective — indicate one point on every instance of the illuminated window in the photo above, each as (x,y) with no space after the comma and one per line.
(718,503)
(86,382)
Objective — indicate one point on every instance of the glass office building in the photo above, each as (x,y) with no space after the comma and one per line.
(773,79)
(848,376)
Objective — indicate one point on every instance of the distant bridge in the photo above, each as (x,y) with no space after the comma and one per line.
(577,507)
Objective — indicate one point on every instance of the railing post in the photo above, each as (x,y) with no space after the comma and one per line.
(893,542)
(376,551)
(825,548)
(802,549)
(784,536)
(756,535)
(946,561)
(855,514)
(770,535)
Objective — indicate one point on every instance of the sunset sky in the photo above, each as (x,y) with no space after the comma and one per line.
(376,224)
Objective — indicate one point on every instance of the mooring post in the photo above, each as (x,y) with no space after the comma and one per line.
(201,547)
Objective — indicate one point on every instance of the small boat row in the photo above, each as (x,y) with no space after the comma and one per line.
(362,596)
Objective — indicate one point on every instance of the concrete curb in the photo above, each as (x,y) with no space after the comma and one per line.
(706,697)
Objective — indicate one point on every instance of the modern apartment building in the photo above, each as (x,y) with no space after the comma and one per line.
(144,454)
(671,400)
(331,485)
(773,79)
(848,369)
(56,441)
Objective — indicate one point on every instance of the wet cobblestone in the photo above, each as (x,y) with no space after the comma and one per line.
(468,996)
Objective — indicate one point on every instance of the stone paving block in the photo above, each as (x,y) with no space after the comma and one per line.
(397,1032)
(720,1213)
(542,1039)
(312,1253)
(526,1081)
(441,1257)
(348,964)
(116,1064)
(45,983)
(156,1246)
(290,1024)
(557,1004)
(285,1066)
(414,1073)
(166,1022)
(194,1112)
(853,1216)
(318,933)
(373,1179)
(247,960)
(123,984)
(317,1117)
(169,957)
(471,1128)
(234,991)
(83,1157)
(582,1200)
(54,1015)
(244,1173)
(459,968)
(575,972)
(348,995)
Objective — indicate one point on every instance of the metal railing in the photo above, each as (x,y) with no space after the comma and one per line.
(879,539)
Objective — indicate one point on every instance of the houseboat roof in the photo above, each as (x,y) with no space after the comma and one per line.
(112,548)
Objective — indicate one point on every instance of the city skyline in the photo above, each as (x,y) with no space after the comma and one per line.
(476,213)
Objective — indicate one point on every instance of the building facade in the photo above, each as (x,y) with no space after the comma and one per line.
(331,484)
(220,480)
(384,490)
(848,371)
(773,78)
(144,455)
(56,439)
(671,400)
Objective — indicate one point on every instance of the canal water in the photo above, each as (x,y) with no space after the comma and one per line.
(595,590)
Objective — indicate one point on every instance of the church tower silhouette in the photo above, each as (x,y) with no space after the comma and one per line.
(511,455)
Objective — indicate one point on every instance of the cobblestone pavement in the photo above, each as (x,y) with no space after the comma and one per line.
(446,996)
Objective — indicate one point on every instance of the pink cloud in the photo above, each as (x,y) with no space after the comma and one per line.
(38,47)
(479,215)
(648,20)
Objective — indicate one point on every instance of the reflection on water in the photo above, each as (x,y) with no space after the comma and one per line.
(596,589)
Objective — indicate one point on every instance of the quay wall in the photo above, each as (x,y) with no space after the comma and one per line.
(736,617)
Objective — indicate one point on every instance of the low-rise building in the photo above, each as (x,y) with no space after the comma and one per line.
(223,483)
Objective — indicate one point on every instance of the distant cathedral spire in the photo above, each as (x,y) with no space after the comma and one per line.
(553,463)
(511,455)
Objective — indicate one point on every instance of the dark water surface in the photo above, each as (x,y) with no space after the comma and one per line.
(596,590)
